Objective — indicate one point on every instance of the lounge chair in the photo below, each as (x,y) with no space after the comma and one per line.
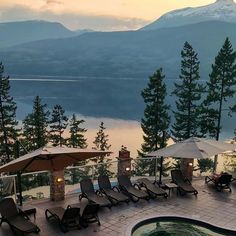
(114,196)
(67,218)
(184,185)
(223,182)
(87,191)
(152,189)
(130,190)
(18,221)
(90,215)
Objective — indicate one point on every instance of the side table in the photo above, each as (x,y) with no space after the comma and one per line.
(170,187)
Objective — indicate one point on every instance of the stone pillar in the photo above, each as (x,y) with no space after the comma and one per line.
(186,166)
(124,162)
(57,186)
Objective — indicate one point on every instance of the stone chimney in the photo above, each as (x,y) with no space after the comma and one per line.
(124,162)
(57,186)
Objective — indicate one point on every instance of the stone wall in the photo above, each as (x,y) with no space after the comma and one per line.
(124,163)
(57,186)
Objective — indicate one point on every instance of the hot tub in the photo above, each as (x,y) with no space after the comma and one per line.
(178,226)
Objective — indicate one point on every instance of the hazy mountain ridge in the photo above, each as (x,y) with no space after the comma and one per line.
(119,54)
(13,33)
(221,10)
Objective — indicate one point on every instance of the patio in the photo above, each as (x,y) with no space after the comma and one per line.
(217,208)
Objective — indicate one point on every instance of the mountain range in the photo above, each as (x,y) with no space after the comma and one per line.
(221,10)
(119,54)
(13,33)
(44,48)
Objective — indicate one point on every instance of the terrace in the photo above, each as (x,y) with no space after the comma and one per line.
(217,208)
(211,206)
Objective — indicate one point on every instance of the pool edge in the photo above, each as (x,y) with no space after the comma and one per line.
(130,228)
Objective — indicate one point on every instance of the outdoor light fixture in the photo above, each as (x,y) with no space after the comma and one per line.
(190,164)
(59,180)
(127,169)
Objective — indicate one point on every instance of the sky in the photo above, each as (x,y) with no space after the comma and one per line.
(104,15)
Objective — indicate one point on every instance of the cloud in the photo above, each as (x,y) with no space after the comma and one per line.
(54,2)
(72,20)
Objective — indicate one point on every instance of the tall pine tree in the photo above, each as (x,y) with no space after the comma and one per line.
(58,124)
(221,87)
(35,126)
(76,138)
(101,144)
(188,92)
(155,122)
(8,123)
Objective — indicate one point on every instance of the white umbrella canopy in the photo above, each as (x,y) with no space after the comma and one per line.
(194,148)
(50,158)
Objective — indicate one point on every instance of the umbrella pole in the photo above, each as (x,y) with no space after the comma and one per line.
(161,169)
(155,170)
(19,187)
(19,173)
(215,163)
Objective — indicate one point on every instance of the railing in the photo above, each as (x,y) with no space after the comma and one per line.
(36,185)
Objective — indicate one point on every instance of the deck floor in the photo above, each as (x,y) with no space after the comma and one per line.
(217,208)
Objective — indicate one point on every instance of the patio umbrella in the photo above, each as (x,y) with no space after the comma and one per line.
(194,148)
(49,158)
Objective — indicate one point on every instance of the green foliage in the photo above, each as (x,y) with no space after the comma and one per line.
(101,143)
(33,181)
(154,124)
(205,165)
(144,166)
(233,110)
(58,124)
(221,88)
(156,119)
(35,126)
(79,173)
(8,123)
(76,138)
(188,92)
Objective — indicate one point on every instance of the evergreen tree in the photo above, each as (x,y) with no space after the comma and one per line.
(231,113)
(77,140)
(101,144)
(58,124)
(76,133)
(8,123)
(221,87)
(188,93)
(35,126)
(154,124)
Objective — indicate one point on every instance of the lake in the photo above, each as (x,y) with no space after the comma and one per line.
(115,101)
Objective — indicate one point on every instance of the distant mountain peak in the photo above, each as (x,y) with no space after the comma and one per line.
(225,1)
(220,10)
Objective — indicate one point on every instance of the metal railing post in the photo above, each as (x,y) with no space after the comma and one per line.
(155,170)
(14,187)
(92,172)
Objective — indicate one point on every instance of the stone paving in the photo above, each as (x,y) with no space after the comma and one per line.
(217,208)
